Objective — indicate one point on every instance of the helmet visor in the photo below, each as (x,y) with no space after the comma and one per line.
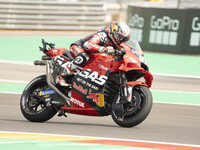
(125,39)
(120,38)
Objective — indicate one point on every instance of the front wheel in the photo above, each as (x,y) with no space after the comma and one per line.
(32,106)
(137,110)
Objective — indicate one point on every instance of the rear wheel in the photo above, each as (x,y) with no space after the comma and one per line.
(137,110)
(32,106)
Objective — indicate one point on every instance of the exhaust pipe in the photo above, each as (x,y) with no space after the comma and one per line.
(54,87)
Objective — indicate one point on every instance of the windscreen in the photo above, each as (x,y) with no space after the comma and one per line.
(136,49)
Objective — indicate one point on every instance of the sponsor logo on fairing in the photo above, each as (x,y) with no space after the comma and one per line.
(47,92)
(77,102)
(93,96)
(60,60)
(94,76)
(80,88)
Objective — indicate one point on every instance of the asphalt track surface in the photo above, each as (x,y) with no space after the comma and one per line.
(166,123)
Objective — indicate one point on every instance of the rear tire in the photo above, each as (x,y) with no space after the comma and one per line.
(32,107)
(142,100)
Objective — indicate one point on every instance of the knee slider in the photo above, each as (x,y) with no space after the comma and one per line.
(81,59)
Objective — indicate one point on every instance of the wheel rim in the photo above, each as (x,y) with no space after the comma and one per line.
(137,103)
(34,103)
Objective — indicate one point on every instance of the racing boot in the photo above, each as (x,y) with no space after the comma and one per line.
(70,66)
(68,69)
(62,81)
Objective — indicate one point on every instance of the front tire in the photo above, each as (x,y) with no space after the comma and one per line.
(32,107)
(138,110)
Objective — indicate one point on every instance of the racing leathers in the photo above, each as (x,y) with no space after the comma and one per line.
(96,43)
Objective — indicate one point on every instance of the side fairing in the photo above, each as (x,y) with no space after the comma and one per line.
(87,87)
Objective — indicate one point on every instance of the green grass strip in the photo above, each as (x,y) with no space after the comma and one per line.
(173,64)
(12,87)
(26,49)
(176,97)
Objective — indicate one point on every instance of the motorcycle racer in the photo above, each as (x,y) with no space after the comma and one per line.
(103,41)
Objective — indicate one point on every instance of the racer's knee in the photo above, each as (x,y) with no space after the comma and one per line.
(81,59)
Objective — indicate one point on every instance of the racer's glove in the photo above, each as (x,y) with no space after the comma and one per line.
(107,50)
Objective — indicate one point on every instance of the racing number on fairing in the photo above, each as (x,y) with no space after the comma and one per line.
(93,76)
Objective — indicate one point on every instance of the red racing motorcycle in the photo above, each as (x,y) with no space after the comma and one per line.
(106,85)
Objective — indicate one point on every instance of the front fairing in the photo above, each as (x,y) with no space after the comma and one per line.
(130,62)
(133,60)
(136,49)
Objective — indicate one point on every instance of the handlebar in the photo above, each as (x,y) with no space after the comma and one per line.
(119,52)
(116,52)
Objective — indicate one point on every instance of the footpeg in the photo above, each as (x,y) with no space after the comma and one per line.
(61,113)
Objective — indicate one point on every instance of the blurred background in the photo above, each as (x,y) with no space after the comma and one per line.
(159,25)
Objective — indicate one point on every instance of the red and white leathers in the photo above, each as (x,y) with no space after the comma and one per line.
(95,43)
(98,42)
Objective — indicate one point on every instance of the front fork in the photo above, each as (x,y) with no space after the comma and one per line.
(124,98)
(125,90)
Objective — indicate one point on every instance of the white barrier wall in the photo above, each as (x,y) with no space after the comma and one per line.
(51,15)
